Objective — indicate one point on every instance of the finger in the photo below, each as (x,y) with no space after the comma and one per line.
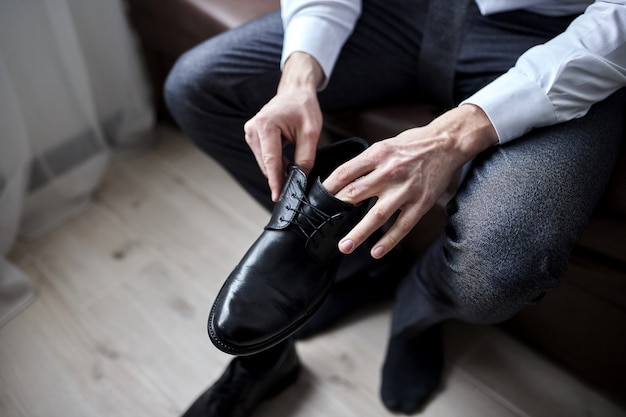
(347,173)
(272,159)
(252,140)
(305,153)
(376,217)
(406,221)
(361,188)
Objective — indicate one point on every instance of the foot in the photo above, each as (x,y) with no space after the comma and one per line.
(248,381)
(412,370)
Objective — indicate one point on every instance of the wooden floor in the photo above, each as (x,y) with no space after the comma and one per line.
(118,328)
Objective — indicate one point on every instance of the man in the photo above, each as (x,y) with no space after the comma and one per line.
(535,119)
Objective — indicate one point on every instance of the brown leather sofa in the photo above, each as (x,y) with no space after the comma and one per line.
(582,325)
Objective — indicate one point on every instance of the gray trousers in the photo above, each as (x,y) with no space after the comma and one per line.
(520,209)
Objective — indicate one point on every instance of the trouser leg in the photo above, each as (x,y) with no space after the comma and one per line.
(510,194)
(513,222)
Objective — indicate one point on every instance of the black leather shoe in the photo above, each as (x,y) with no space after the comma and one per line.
(288,272)
(239,391)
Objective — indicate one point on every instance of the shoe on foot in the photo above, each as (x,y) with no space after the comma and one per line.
(241,388)
(290,269)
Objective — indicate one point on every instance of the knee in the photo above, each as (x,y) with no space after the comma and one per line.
(490,279)
(504,246)
(185,85)
(495,295)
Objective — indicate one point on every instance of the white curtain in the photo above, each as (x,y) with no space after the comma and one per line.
(72,91)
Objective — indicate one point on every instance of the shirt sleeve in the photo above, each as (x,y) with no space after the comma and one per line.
(561,79)
(319,28)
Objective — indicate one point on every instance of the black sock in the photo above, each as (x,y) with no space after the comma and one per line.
(412,370)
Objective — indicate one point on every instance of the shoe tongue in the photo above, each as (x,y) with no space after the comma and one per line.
(320,198)
(297,197)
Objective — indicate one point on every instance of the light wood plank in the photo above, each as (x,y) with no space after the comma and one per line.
(204,176)
(204,239)
(55,365)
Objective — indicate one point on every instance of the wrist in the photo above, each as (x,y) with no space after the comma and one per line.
(301,70)
(469,127)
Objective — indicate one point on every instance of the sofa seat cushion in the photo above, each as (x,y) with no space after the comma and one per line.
(380,122)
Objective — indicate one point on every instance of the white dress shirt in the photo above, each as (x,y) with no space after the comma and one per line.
(550,83)
(548,8)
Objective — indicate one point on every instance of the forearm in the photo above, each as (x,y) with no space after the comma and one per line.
(318,28)
(409,172)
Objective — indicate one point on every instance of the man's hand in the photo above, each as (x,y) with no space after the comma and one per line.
(292,116)
(408,173)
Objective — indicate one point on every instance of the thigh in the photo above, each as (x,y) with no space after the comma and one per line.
(207,78)
(377,62)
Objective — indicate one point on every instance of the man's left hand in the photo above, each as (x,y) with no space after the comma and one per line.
(408,173)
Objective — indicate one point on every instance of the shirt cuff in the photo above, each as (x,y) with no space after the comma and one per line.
(316,37)
(514,105)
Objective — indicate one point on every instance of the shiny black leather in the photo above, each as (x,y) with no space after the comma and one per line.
(290,269)
(238,392)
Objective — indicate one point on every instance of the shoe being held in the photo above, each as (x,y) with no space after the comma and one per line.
(290,269)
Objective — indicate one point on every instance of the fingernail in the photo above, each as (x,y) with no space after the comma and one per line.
(378,252)
(346,246)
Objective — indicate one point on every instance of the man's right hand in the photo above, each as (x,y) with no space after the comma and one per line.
(292,116)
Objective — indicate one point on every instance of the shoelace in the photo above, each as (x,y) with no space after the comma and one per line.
(307,222)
